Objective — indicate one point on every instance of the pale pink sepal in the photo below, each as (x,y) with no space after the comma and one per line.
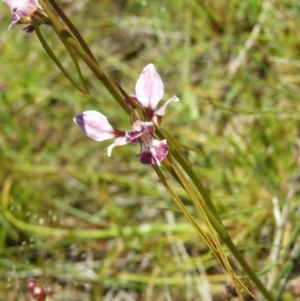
(118,141)
(149,88)
(162,110)
(21,11)
(95,125)
(23,5)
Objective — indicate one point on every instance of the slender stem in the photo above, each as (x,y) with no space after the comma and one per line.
(97,71)
(54,58)
(73,29)
(215,220)
(95,68)
(73,57)
(222,231)
(244,264)
(212,213)
(212,241)
(188,169)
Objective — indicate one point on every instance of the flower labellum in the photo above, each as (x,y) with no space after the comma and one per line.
(25,12)
(149,91)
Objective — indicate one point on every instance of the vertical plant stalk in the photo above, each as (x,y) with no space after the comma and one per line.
(55,59)
(74,59)
(216,222)
(95,68)
(209,208)
(218,252)
(73,29)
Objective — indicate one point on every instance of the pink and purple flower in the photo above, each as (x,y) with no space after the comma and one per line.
(24,12)
(149,91)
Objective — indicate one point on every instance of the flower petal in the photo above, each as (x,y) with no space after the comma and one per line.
(25,5)
(119,141)
(149,88)
(162,110)
(138,129)
(29,29)
(96,126)
(143,126)
(153,151)
(22,12)
(15,19)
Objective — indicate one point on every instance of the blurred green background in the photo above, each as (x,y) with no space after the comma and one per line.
(235,67)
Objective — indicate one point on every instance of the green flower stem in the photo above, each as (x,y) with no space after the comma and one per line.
(215,220)
(54,58)
(73,57)
(175,152)
(95,68)
(212,241)
(73,30)
(97,71)
(209,208)
(183,209)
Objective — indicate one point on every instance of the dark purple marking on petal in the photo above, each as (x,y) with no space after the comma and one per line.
(29,29)
(153,151)
(146,158)
(96,126)
(15,18)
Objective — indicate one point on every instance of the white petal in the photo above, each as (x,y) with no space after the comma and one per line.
(95,125)
(162,110)
(26,6)
(119,141)
(149,88)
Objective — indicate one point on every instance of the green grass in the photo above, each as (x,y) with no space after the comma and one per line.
(245,127)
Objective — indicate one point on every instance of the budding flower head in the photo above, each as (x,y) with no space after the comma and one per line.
(149,91)
(36,290)
(25,12)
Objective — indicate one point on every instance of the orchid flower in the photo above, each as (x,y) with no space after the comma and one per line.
(25,11)
(149,91)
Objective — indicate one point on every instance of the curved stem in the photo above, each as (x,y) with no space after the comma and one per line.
(214,218)
(73,57)
(95,68)
(73,29)
(54,58)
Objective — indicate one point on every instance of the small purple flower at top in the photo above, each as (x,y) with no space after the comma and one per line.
(149,91)
(25,11)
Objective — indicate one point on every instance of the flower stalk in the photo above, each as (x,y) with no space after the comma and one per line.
(145,121)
